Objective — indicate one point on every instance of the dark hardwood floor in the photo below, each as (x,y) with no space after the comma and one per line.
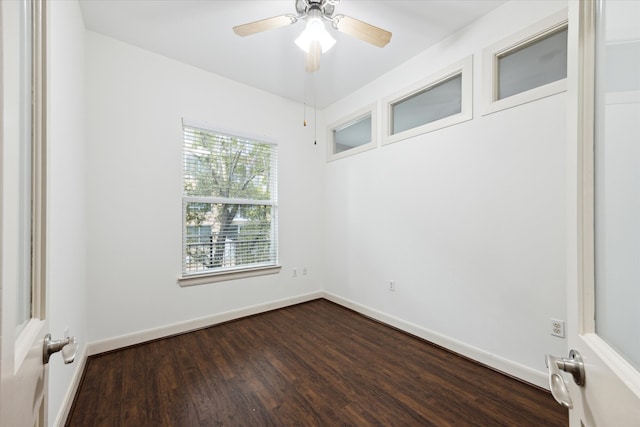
(313,364)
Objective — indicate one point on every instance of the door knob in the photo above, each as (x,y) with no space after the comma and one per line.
(572,365)
(68,346)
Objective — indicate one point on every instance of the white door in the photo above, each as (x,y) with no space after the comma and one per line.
(604,214)
(22,215)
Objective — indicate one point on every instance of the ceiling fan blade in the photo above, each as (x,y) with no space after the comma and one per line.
(361,30)
(312,61)
(264,25)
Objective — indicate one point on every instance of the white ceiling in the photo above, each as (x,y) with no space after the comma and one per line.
(198,32)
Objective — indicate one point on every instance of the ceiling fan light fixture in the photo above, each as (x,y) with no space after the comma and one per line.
(315,31)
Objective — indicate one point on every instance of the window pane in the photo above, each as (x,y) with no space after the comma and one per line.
(431,104)
(224,236)
(217,165)
(536,64)
(617,173)
(622,66)
(352,135)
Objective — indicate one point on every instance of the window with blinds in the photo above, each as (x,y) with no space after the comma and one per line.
(229,204)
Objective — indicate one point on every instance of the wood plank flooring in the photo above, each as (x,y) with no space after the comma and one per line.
(313,364)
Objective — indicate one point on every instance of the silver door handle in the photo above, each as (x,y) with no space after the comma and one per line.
(572,365)
(68,346)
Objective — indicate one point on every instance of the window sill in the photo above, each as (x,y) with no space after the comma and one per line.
(525,97)
(222,276)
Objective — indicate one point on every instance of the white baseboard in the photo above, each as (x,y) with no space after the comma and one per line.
(491,360)
(194,324)
(65,408)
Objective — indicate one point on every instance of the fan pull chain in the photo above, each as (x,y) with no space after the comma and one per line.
(315,111)
(304,102)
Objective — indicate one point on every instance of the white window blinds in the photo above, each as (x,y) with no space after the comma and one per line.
(229,202)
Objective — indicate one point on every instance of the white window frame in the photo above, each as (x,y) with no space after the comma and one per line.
(352,118)
(465,69)
(239,272)
(490,55)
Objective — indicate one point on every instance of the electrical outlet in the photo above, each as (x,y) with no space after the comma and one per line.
(294,272)
(557,328)
(304,271)
(392,285)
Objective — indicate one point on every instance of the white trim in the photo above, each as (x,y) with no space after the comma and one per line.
(585,110)
(524,97)
(24,341)
(222,276)
(67,401)
(491,360)
(614,361)
(371,110)
(39,166)
(619,98)
(490,65)
(229,132)
(134,338)
(465,69)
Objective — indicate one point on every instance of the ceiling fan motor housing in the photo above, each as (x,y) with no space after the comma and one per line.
(325,7)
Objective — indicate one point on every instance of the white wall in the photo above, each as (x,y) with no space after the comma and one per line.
(468,220)
(67,224)
(135,103)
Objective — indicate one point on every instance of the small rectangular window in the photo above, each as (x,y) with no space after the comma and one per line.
(526,66)
(443,99)
(434,103)
(353,134)
(534,64)
(229,202)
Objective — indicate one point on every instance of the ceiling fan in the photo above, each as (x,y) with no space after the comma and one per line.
(315,39)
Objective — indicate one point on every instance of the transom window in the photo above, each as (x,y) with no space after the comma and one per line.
(526,66)
(441,100)
(353,134)
(537,63)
